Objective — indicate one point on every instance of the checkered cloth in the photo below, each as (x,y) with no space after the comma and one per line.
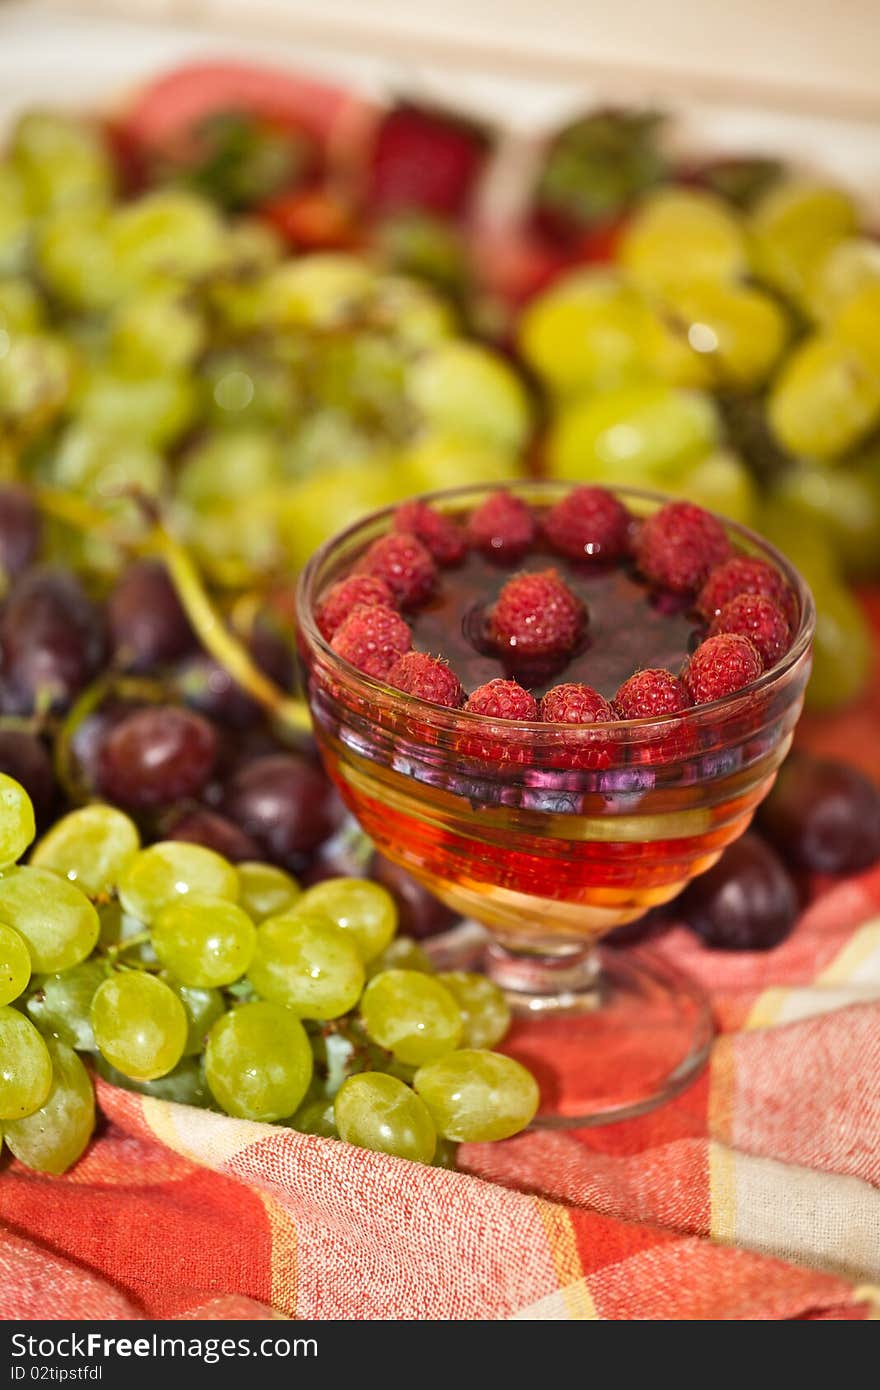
(753,1195)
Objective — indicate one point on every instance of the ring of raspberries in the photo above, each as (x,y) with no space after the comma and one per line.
(743,610)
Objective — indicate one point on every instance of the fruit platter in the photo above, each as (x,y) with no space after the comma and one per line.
(407,607)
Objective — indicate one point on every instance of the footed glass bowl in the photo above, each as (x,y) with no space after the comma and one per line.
(553,835)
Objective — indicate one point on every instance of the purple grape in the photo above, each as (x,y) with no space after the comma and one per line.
(155,757)
(746,902)
(645,928)
(823,816)
(52,640)
(421,914)
(20,530)
(203,827)
(205,685)
(286,804)
(148,626)
(24,757)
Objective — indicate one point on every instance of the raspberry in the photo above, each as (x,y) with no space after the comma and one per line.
(575,704)
(357,589)
(426,677)
(406,566)
(649,694)
(500,699)
(438,533)
(678,546)
(745,574)
(588,524)
(758,618)
(372,639)
(720,666)
(502,526)
(537,615)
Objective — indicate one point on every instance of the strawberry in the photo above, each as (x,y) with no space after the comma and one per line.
(425,159)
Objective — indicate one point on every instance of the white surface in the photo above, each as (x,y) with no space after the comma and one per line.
(49,52)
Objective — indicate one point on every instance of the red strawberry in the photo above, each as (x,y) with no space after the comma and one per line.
(438,533)
(426,677)
(405,565)
(650,694)
(721,666)
(372,639)
(679,546)
(536,616)
(589,524)
(500,699)
(338,602)
(759,619)
(425,159)
(575,704)
(745,574)
(502,526)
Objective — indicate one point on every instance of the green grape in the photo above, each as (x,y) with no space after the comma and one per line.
(842,651)
(251,246)
(245,390)
(21,308)
(721,482)
(679,231)
(102,464)
(229,468)
(75,259)
(203,1008)
(794,227)
(55,1136)
(408,309)
(151,410)
(64,163)
(140,1024)
(467,390)
(240,540)
(365,909)
(36,373)
(170,869)
(15,224)
(474,1096)
(204,941)
(185,1084)
(56,919)
(857,323)
(157,330)
(319,291)
(15,964)
(17,824)
(91,846)
(849,267)
(585,333)
(310,511)
(825,399)
(403,953)
(446,1155)
(265,890)
(739,331)
(484,1009)
(25,1066)
(437,460)
(411,1015)
(379,1112)
(316,1117)
(60,1005)
(258,1062)
(305,961)
(167,232)
(638,434)
(845,501)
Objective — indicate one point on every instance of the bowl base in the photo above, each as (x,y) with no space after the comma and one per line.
(630,1034)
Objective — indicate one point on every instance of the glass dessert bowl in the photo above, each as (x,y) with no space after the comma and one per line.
(552,834)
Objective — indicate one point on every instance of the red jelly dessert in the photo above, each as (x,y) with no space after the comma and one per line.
(559,739)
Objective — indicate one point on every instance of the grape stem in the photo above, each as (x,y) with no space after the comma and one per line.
(215,637)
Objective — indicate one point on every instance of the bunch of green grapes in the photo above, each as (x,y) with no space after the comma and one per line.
(732,357)
(179,975)
(154,346)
